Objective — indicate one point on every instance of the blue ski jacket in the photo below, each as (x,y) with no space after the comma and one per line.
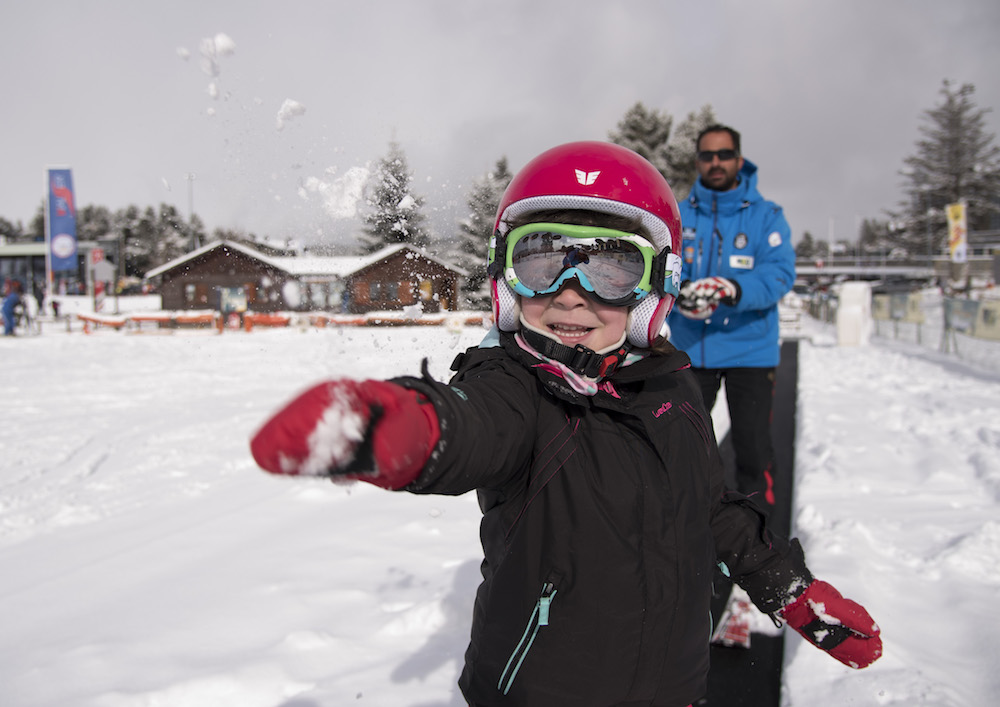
(740,236)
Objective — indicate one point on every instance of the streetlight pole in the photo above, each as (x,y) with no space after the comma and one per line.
(190,176)
(120,263)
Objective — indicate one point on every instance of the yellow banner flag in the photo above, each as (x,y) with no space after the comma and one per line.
(957,245)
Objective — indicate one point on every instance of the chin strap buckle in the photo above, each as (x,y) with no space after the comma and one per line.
(579,358)
(610,362)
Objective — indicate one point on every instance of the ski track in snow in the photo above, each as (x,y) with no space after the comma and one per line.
(146,561)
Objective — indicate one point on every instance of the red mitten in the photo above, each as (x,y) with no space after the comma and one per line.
(374,431)
(698,299)
(837,625)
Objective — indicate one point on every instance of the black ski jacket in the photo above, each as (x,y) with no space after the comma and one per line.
(603,520)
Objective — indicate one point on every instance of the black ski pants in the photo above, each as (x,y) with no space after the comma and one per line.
(750,394)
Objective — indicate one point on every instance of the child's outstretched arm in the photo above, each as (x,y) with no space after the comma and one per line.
(773,571)
(373,431)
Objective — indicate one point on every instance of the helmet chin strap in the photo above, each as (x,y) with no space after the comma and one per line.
(579,359)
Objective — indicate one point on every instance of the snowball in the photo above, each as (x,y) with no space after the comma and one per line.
(340,195)
(292,294)
(289,109)
(224,45)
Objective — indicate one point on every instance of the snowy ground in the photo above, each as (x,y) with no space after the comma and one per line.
(145,561)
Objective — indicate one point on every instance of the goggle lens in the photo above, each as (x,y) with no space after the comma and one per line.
(615,267)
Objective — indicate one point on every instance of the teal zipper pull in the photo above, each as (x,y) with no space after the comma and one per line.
(539,618)
(544,602)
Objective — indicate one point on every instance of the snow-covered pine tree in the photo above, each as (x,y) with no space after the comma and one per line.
(10,232)
(474,233)
(138,229)
(680,152)
(955,159)
(395,216)
(94,222)
(806,247)
(173,235)
(647,132)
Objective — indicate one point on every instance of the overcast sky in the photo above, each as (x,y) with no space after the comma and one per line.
(828,95)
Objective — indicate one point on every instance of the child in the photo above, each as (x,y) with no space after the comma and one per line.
(584,435)
(12,298)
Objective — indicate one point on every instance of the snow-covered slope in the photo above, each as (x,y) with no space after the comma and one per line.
(144,560)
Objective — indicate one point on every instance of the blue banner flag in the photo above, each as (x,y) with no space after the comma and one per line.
(62,220)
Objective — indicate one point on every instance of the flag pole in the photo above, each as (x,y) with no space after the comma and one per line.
(47,228)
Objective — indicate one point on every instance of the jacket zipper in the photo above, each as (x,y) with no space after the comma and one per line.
(539,618)
(708,269)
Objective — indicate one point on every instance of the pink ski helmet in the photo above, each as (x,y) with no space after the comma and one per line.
(602,177)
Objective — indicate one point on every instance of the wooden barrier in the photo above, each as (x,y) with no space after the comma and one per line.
(101,320)
(196,318)
(250,320)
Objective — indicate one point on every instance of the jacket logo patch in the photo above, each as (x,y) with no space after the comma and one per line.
(741,262)
(689,254)
(740,242)
(663,409)
(774,240)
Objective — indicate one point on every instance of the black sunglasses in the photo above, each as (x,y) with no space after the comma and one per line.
(723,155)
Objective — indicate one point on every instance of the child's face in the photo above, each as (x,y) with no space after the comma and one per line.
(575,318)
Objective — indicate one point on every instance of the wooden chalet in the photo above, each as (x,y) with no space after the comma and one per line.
(231,277)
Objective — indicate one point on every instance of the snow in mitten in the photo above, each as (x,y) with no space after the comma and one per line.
(698,299)
(373,431)
(837,625)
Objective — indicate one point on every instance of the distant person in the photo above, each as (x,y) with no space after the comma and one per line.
(585,437)
(11,301)
(38,292)
(738,263)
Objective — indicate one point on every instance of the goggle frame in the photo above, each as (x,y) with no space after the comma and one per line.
(656,276)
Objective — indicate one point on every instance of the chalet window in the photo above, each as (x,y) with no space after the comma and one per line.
(196,294)
(317,297)
(381,291)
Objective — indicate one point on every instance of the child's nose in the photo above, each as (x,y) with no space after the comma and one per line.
(571,294)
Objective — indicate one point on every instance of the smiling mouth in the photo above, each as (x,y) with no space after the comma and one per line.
(570,332)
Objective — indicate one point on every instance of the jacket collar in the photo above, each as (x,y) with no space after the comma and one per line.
(667,362)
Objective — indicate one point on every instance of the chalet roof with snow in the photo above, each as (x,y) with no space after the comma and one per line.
(306,265)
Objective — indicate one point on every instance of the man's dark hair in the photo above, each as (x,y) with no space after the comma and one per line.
(720,129)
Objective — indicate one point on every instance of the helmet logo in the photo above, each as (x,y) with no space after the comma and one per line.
(586,178)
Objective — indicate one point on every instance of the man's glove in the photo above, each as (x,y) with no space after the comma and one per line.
(698,299)
(374,431)
(837,625)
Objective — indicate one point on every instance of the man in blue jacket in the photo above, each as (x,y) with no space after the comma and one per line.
(738,263)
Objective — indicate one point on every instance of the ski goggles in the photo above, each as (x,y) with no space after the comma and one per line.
(613,267)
